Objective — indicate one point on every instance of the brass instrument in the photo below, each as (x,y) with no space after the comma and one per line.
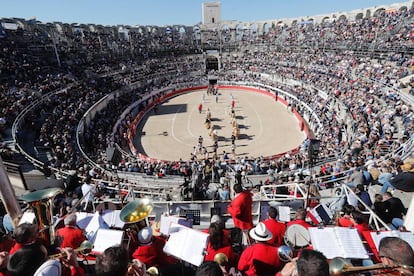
(136,267)
(84,248)
(221,259)
(136,210)
(341,266)
(42,204)
(153,271)
(285,253)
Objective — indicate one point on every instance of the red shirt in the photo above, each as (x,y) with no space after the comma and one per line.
(262,252)
(277,229)
(300,222)
(361,228)
(345,221)
(240,210)
(227,250)
(152,254)
(16,247)
(72,236)
(7,245)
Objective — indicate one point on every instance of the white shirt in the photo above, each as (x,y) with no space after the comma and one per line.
(88,190)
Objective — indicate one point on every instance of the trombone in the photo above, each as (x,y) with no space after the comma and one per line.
(341,266)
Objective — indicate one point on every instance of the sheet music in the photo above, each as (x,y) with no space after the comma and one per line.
(324,240)
(407,236)
(165,223)
(106,238)
(284,213)
(112,218)
(186,244)
(83,219)
(338,242)
(94,225)
(351,243)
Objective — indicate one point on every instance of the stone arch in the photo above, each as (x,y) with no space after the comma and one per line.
(253,30)
(266,28)
(379,12)
(239,32)
(359,16)
(342,17)
(197,33)
(212,63)
(403,9)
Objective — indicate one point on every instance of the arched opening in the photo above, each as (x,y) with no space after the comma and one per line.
(211,64)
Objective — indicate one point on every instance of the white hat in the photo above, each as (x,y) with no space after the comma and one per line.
(260,232)
(145,235)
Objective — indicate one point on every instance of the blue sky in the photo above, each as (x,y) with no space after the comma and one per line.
(169,12)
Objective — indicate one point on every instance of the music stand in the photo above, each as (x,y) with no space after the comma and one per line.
(191,214)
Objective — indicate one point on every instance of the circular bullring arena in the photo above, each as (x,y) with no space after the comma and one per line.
(267,127)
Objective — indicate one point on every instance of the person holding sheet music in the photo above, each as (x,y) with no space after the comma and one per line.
(150,249)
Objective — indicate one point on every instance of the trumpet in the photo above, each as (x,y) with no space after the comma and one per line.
(84,248)
(340,266)
(136,267)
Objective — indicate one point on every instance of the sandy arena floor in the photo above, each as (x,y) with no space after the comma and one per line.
(266,126)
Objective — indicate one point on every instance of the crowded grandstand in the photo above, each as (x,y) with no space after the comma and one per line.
(74,98)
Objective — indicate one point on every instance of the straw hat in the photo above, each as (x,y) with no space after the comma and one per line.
(260,232)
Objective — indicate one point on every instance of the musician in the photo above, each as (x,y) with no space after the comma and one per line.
(6,241)
(71,235)
(275,227)
(259,255)
(226,233)
(25,234)
(150,249)
(32,260)
(209,268)
(300,217)
(394,251)
(115,261)
(240,208)
(359,222)
(345,219)
(65,266)
(4,258)
(218,244)
(310,263)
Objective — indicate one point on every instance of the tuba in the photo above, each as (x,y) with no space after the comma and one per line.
(136,210)
(42,204)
